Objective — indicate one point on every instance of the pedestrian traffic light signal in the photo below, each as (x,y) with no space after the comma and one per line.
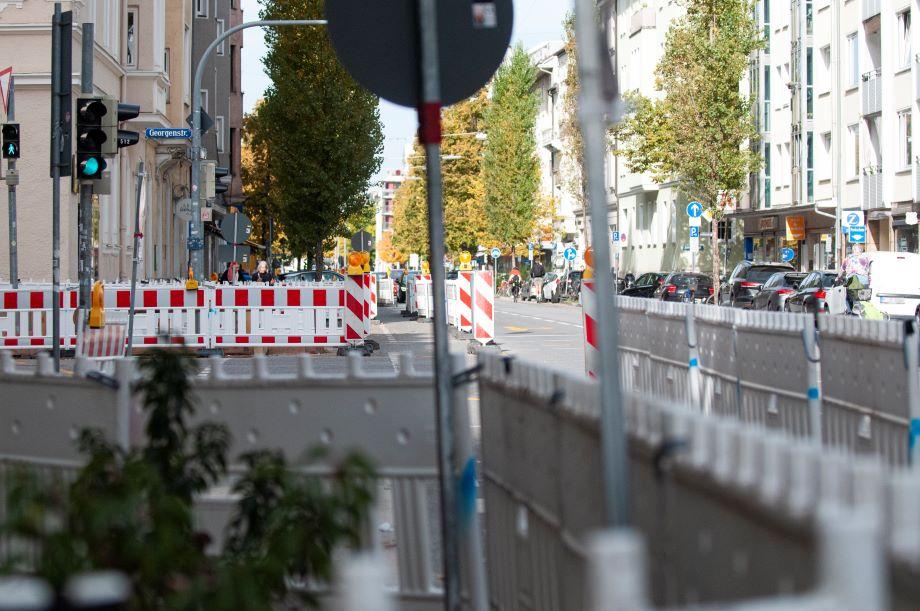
(11,141)
(91,137)
(90,166)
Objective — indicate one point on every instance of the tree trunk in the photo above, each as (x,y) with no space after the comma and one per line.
(319,259)
(716,260)
(299,263)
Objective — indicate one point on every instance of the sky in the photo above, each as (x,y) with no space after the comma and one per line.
(535,21)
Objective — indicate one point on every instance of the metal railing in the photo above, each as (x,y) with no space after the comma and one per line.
(872,92)
(872,187)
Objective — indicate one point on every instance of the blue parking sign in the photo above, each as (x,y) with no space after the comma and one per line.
(694,232)
(615,236)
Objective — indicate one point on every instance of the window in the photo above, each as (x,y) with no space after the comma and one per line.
(204,99)
(201,8)
(810,166)
(905,139)
(903,58)
(221,28)
(234,69)
(809,18)
(131,37)
(766,25)
(824,78)
(166,68)
(767,187)
(766,98)
(234,148)
(853,150)
(824,165)
(809,83)
(187,64)
(219,130)
(853,60)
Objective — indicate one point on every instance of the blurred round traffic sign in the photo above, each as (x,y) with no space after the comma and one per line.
(236,228)
(694,210)
(496,253)
(362,241)
(787,254)
(377,42)
(570,254)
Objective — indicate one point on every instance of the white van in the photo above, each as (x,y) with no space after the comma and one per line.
(894,278)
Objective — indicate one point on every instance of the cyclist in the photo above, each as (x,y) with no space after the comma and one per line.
(515,280)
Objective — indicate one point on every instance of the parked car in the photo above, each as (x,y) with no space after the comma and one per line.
(776,290)
(645,285)
(746,280)
(811,296)
(684,286)
(310,276)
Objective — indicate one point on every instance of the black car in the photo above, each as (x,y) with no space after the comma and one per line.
(746,281)
(811,295)
(772,297)
(684,286)
(310,276)
(645,285)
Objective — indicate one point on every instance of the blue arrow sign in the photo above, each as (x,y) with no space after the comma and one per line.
(496,253)
(570,254)
(787,254)
(163,133)
(694,232)
(694,210)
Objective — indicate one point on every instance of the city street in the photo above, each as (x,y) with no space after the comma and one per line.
(545,333)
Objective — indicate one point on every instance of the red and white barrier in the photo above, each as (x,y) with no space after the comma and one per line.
(164,314)
(484,307)
(105,343)
(465,301)
(26,317)
(424,299)
(260,315)
(372,294)
(453,298)
(366,283)
(354,309)
(589,313)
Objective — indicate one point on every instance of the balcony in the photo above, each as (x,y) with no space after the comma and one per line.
(872,92)
(872,188)
(871,9)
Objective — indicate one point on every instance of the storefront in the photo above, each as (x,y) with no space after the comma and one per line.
(810,234)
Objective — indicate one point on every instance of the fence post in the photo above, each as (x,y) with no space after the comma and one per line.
(617,571)
(911,349)
(693,358)
(589,316)
(813,359)
(124,373)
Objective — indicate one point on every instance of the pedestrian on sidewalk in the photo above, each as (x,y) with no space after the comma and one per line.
(262,273)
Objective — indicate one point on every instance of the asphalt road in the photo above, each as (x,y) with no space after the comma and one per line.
(546,333)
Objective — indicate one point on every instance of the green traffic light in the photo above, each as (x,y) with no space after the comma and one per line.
(90,167)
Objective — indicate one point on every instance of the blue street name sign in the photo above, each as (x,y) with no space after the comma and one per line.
(694,210)
(857,235)
(570,254)
(163,133)
(787,254)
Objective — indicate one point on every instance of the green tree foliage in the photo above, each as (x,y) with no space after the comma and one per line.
(699,132)
(465,226)
(322,128)
(258,184)
(132,511)
(573,161)
(511,168)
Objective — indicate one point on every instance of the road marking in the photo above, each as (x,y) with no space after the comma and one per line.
(516,329)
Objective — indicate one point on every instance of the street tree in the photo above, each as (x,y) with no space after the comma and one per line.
(573,159)
(323,130)
(510,167)
(701,130)
(258,186)
(465,226)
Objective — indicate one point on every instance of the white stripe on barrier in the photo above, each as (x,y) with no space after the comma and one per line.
(484,307)
(589,316)
(373,294)
(354,309)
(465,301)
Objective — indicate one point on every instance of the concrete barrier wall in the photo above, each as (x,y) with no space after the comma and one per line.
(728,510)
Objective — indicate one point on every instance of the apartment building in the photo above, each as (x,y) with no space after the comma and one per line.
(222,100)
(383,195)
(836,86)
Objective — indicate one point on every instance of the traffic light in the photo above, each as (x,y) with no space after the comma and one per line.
(11,141)
(124,137)
(91,137)
(220,185)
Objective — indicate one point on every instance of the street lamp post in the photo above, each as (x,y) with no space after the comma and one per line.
(196,235)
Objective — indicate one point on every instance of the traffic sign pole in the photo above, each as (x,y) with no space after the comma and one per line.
(85,207)
(11,179)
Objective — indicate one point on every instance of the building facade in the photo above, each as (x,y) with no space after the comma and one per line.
(383,195)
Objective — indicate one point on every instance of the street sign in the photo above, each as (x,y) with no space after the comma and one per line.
(195,243)
(857,235)
(362,241)
(530,247)
(206,121)
(694,210)
(614,236)
(473,38)
(570,254)
(695,221)
(910,218)
(694,232)
(232,252)
(854,218)
(496,253)
(184,209)
(163,133)
(707,214)
(787,254)
(236,228)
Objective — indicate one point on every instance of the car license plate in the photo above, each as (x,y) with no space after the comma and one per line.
(893,300)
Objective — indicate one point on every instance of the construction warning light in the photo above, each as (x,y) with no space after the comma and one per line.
(97,307)
(589,263)
(11,141)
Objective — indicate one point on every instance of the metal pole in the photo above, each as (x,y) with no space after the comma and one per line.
(592,111)
(56,189)
(430,136)
(196,258)
(11,186)
(85,209)
(136,252)
(911,349)
(813,358)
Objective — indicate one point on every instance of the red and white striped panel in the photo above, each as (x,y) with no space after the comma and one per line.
(465,301)
(37,299)
(366,280)
(373,294)
(354,309)
(105,343)
(159,298)
(278,297)
(424,301)
(484,307)
(31,327)
(589,312)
